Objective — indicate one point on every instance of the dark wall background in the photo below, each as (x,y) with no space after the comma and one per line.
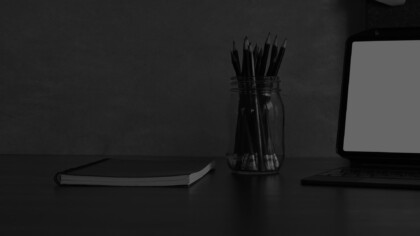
(151,77)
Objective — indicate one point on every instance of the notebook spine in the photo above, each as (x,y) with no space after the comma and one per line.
(57,176)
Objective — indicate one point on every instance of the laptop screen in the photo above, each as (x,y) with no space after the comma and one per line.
(383,100)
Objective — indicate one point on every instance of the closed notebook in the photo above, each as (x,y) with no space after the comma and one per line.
(129,172)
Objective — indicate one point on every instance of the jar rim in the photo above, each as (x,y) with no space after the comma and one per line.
(257,78)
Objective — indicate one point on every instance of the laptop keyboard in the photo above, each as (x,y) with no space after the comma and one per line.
(373,173)
(367,177)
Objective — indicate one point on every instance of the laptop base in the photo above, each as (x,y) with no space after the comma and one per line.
(367,177)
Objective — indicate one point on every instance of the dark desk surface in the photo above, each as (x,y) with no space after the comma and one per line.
(219,204)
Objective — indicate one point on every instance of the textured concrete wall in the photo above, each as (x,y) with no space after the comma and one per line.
(151,77)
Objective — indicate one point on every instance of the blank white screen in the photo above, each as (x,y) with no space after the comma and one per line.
(383,109)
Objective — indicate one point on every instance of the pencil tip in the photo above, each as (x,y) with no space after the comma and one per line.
(284,43)
(246,41)
(268,38)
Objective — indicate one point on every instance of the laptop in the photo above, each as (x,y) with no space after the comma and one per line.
(379,121)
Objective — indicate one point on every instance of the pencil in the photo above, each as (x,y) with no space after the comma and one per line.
(235,55)
(249,58)
(255,54)
(258,57)
(263,65)
(257,113)
(252,62)
(245,58)
(280,57)
(273,57)
(235,65)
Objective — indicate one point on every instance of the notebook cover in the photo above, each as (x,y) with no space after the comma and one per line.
(130,168)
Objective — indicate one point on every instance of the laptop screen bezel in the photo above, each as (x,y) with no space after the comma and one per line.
(398,34)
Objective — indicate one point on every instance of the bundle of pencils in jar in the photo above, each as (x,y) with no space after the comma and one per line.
(259,130)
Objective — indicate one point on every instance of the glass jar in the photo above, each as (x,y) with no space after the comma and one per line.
(256,125)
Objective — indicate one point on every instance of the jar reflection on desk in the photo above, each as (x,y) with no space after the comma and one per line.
(256,123)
